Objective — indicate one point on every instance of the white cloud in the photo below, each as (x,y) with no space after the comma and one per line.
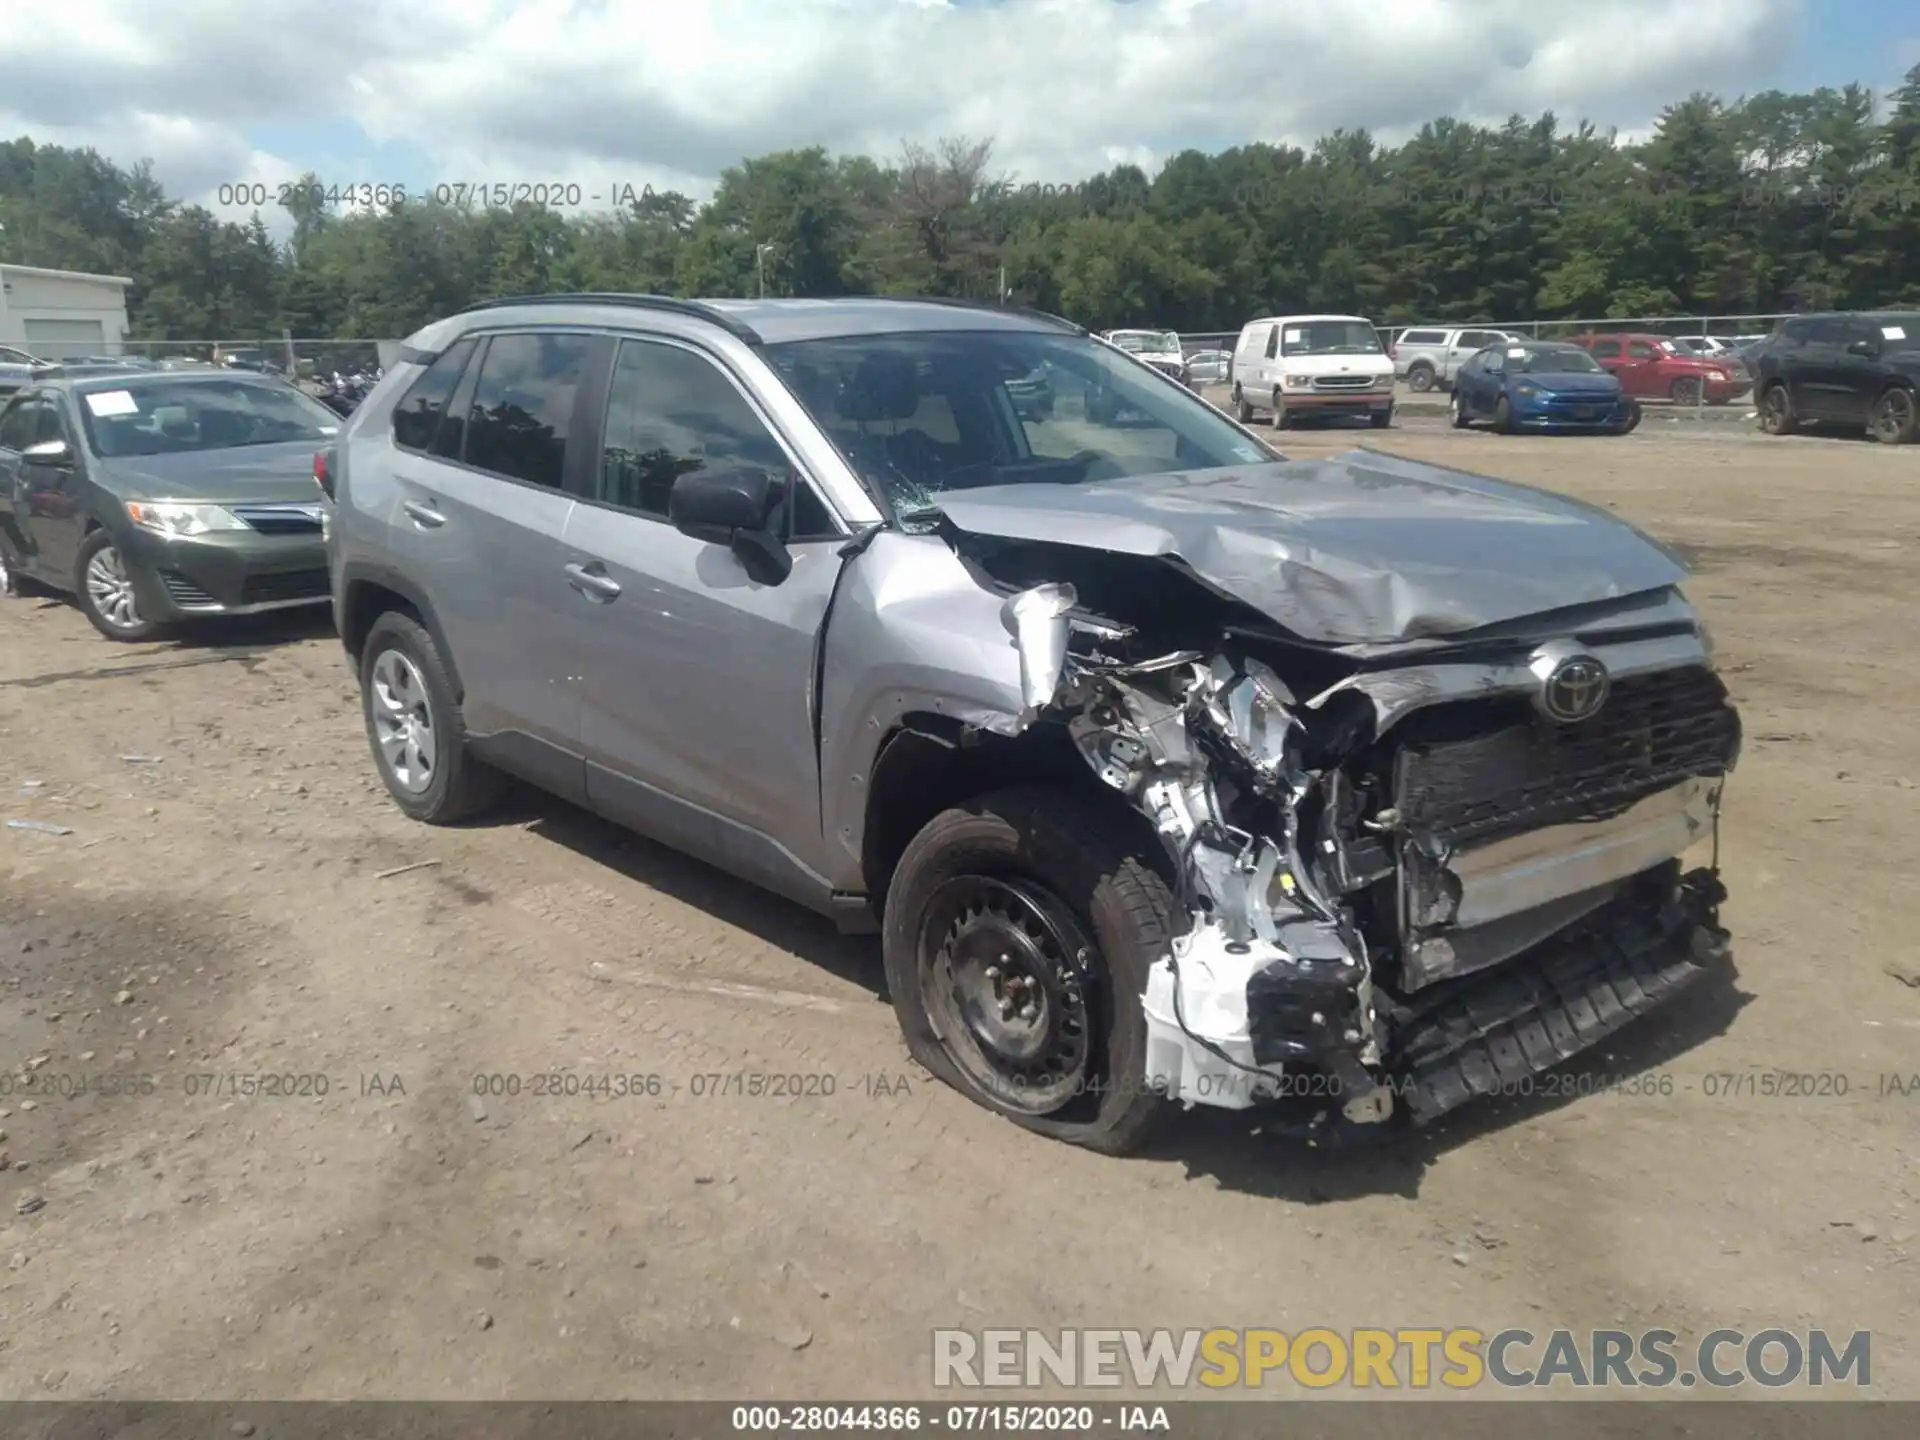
(606,92)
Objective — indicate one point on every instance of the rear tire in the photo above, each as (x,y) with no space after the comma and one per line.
(1242,411)
(1103,916)
(1776,411)
(1420,378)
(1895,419)
(415,727)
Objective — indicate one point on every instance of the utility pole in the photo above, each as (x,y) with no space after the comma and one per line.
(1003,285)
(760,267)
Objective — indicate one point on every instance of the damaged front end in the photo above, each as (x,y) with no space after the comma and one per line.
(1437,876)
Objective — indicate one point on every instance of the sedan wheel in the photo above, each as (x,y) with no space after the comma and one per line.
(9,582)
(404,728)
(111,591)
(106,592)
(1894,418)
(1459,412)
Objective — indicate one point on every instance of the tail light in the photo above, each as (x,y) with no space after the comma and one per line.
(323,471)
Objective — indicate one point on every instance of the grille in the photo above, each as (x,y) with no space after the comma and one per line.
(184,593)
(1343,382)
(280,519)
(1654,731)
(288,585)
(1167,367)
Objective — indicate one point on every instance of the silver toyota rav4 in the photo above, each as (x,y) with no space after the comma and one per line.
(1168,769)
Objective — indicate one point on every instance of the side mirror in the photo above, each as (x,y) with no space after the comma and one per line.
(48,452)
(1868,348)
(734,507)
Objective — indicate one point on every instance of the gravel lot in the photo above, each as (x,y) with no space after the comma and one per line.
(226,905)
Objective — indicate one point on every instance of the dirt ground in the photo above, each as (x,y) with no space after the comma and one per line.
(225,905)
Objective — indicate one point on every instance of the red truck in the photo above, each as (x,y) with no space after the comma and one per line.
(1653,366)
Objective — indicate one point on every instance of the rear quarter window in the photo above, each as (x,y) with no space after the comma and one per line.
(418,415)
(1422,337)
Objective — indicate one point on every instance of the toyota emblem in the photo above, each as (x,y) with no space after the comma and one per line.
(1575,689)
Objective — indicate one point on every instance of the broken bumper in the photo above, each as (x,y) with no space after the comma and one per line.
(1476,1036)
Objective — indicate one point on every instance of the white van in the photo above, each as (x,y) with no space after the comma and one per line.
(1295,365)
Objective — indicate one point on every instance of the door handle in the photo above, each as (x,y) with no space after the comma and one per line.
(594,584)
(423,514)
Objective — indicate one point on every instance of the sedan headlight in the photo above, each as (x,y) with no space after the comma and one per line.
(1527,392)
(180,518)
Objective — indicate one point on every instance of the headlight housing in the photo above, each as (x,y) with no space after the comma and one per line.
(1526,391)
(1384,382)
(1297,382)
(177,518)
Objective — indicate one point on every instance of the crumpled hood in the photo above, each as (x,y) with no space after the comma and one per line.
(265,474)
(1361,548)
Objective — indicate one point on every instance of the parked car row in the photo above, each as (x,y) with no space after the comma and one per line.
(808,590)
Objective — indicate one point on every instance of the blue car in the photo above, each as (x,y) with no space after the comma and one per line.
(1540,385)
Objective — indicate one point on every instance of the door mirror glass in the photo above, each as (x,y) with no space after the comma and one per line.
(733,506)
(48,452)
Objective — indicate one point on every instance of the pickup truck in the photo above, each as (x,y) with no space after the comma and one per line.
(1429,357)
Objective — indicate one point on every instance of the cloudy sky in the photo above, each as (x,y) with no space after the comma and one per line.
(611,94)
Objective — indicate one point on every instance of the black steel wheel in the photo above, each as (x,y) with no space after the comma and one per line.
(1019,931)
(1003,976)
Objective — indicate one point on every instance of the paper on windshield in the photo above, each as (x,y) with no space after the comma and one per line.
(108,403)
(1516,352)
(1292,337)
(1893,332)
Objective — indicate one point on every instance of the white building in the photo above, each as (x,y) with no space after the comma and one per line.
(62,314)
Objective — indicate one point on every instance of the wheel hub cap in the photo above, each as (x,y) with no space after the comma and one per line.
(403,725)
(111,591)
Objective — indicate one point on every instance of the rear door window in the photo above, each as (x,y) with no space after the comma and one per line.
(1606,349)
(1641,350)
(521,416)
(423,409)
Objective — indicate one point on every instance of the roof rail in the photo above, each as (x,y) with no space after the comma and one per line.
(667,303)
(1059,322)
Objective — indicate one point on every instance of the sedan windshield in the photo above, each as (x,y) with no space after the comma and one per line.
(161,416)
(1553,362)
(1329,337)
(925,414)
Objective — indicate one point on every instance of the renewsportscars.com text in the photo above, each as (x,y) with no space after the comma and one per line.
(1417,1359)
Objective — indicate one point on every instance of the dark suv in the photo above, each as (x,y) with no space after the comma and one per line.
(1168,768)
(1848,371)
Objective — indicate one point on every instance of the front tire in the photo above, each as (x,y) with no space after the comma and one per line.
(1019,930)
(1281,420)
(1459,409)
(1627,426)
(106,593)
(1895,420)
(415,727)
(1381,419)
(1503,416)
(1685,391)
